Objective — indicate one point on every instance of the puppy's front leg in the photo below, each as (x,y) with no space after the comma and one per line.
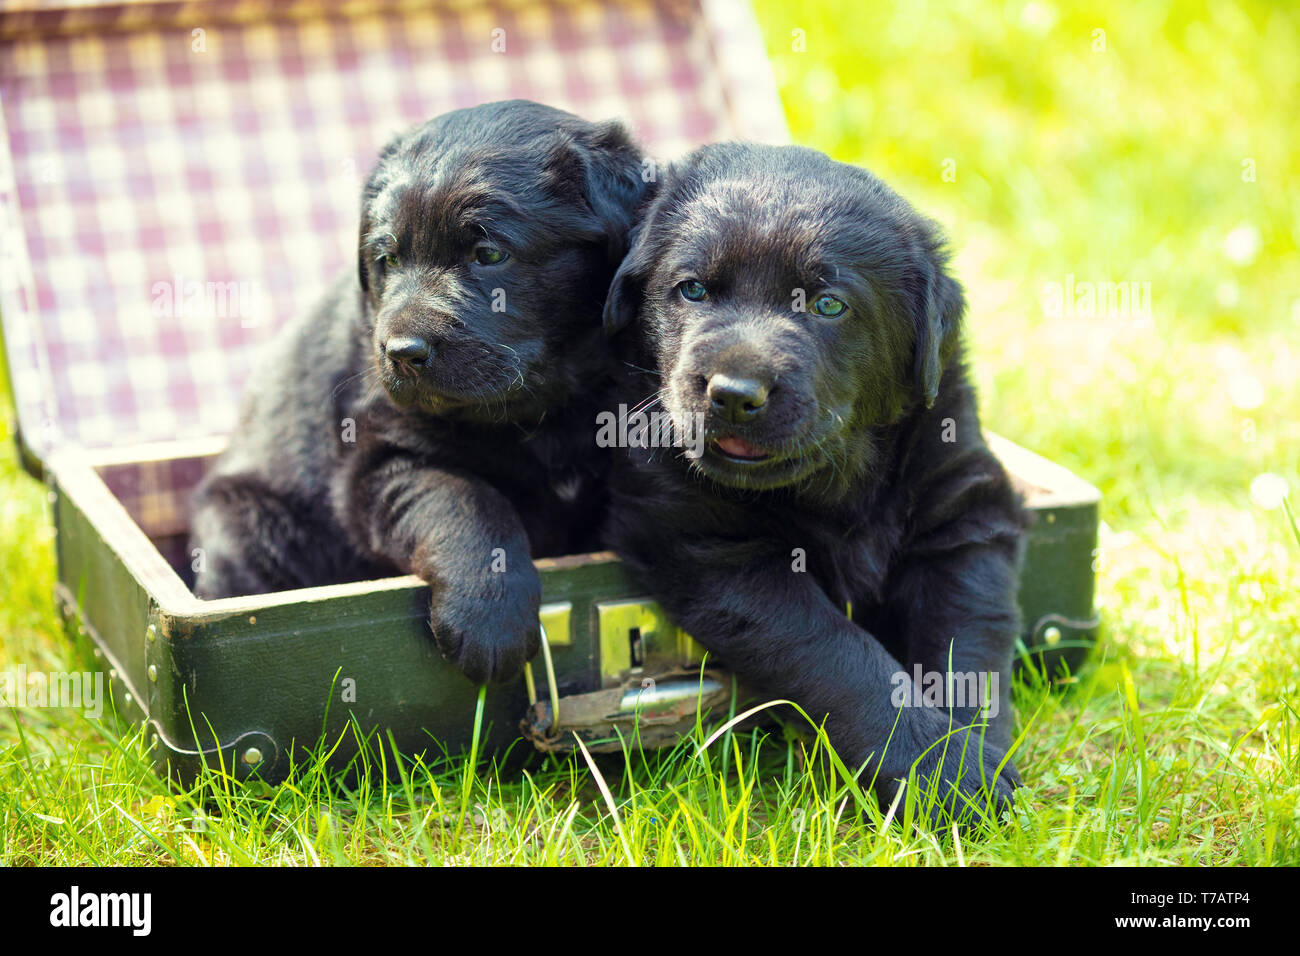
(465,539)
(958,619)
(779,631)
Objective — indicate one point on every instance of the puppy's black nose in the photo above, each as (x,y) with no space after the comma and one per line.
(737,400)
(407,351)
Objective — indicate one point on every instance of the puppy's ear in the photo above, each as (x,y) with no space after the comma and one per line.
(623,300)
(617,184)
(600,167)
(937,308)
(374,184)
(362,272)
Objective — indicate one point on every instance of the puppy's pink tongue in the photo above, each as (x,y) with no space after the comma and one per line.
(737,447)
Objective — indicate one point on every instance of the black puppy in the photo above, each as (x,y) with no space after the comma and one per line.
(798,325)
(431,415)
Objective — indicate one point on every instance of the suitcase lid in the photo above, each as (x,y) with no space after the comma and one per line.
(178,179)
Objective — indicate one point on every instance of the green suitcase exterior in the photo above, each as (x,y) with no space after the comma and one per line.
(247,684)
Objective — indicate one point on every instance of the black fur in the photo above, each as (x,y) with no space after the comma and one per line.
(464,466)
(876,481)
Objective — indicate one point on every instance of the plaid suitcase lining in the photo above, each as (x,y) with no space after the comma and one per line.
(156,493)
(166,208)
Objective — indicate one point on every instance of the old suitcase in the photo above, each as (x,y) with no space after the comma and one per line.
(176,179)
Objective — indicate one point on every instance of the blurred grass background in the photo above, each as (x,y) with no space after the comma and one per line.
(1121,164)
(1146,142)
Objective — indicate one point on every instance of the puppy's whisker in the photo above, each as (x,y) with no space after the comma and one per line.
(648,371)
(655,398)
(349,380)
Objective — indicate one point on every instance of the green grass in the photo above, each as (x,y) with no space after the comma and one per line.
(1178,743)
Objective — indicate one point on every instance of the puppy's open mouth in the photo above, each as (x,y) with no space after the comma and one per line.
(737,449)
(739,462)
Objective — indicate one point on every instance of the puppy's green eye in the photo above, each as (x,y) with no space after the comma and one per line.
(828,307)
(693,290)
(391,261)
(490,255)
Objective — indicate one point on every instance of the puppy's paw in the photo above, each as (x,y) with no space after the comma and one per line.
(957,775)
(488,624)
